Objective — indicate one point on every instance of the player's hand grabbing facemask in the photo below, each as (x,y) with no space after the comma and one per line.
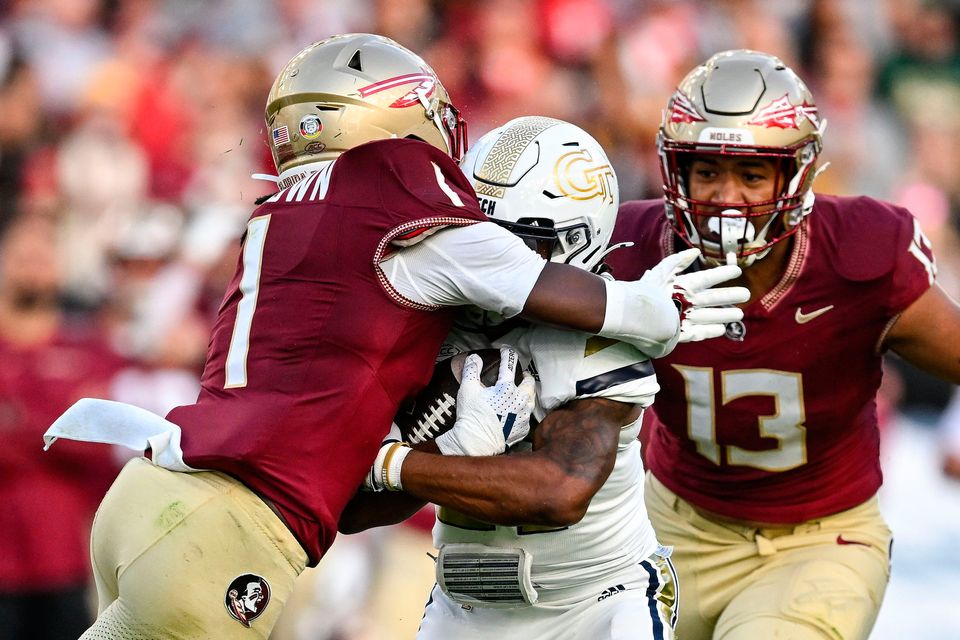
(705,309)
(489,419)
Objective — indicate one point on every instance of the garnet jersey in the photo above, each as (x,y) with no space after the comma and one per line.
(615,532)
(313,350)
(776,421)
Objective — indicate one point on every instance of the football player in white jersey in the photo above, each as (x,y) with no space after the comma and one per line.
(553,541)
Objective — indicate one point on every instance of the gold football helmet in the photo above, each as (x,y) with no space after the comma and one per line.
(350,89)
(740,103)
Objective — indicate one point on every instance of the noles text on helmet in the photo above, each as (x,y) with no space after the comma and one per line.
(740,104)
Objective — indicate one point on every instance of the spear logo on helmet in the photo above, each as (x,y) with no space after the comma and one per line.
(425,85)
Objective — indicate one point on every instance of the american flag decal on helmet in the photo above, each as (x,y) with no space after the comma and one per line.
(281,135)
(682,110)
(782,114)
(426,83)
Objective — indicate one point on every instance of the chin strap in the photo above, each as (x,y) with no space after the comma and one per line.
(609,250)
(266,177)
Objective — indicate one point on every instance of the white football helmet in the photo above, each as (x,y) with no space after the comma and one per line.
(550,183)
(341,92)
(740,103)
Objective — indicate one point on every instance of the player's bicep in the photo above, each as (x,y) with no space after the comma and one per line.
(927,334)
(480,264)
(582,437)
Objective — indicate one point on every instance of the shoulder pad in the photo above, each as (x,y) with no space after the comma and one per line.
(861,237)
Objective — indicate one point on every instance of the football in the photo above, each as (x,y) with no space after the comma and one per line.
(434,410)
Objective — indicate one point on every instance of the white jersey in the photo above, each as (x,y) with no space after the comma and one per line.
(615,532)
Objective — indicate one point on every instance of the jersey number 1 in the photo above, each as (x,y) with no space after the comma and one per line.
(235,374)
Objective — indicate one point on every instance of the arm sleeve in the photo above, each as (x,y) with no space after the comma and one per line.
(481,264)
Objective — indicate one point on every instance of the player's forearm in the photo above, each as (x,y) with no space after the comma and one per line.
(569,297)
(367,510)
(523,488)
(640,313)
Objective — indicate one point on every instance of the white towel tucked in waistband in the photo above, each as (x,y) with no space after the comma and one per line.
(94,420)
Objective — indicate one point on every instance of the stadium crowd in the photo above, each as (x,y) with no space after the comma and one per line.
(130,130)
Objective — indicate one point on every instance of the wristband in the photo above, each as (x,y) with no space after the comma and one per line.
(390,469)
(641,314)
(613,314)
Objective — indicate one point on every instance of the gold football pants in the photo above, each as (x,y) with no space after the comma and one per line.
(817,580)
(188,555)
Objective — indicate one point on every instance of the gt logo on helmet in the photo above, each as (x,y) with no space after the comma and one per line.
(583,182)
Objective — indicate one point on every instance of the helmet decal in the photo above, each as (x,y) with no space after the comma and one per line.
(310,127)
(783,115)
(281,135)
(426,83)
(494,173)
(581,181)
(682,110)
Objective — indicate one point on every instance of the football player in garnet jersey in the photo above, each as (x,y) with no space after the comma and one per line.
(344,291)
(763,455)
(567,518)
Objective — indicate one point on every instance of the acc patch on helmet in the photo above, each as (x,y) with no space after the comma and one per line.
(247,598)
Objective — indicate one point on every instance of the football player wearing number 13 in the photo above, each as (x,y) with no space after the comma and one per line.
(763,456)
(344,291)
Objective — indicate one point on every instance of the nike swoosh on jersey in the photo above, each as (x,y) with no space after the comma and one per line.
(803,318)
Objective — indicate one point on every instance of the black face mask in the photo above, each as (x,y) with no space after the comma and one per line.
(537,233)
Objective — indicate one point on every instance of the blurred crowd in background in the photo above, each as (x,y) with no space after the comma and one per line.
(129,130)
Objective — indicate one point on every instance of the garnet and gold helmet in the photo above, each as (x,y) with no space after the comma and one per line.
(350,89)
(740,103)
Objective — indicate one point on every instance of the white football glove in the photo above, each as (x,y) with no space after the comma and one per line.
(705,310)
(643,312)
(489,419)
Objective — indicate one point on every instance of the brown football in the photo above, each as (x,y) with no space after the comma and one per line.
(434,410)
